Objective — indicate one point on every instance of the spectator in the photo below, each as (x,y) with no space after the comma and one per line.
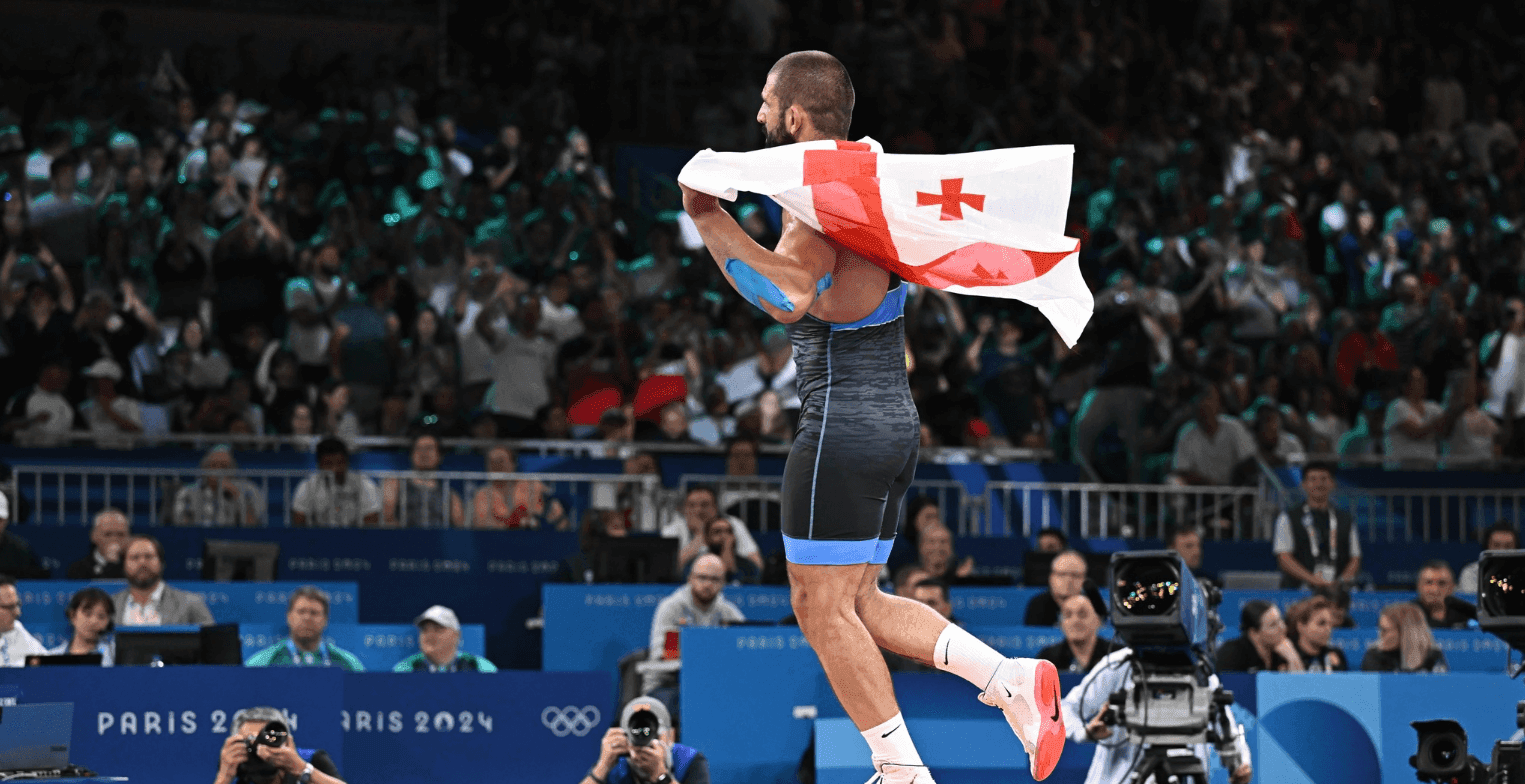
(16,643)
(1503,354)
(1052,540)
(40,415)
(698,603)
(1310,623)
(907,578)
(218,500)
(439,646)
(1413,425)
(771,368)
(365,345)
(661,759)
(112,418)
(1323,547)
(514,503)
(1404,643)
(1339,605)
(1066,578)
(1273,445)
(523,362)
(933,593)
(1437,588)
(147,600)
(1474,438)
(108,539)
(1499,536)
(921,512)
(306,620)
(291,764)
(720,540)
(1080,618)
(421,500)
(1262,643)
(591,563)
(935,554)
(89,613)
(428,358)
(1187,542)
(333,497)
(756,502)
(334,417)
(16,557)
(691,526)
(1211,448)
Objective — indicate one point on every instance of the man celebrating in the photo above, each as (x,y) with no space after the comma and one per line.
(307,618)
(439,646)
(857,444)
(147,600)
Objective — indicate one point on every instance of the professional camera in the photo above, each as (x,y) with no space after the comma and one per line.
(1442,755)
(642,729)
(274,735)
(1169,621)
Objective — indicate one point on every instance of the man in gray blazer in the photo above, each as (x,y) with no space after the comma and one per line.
(147,600)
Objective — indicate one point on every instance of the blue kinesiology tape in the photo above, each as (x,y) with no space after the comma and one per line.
(823,284)
(755,287)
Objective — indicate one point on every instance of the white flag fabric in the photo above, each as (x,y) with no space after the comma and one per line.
(985,223)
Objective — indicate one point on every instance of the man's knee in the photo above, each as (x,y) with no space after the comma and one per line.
(822,593)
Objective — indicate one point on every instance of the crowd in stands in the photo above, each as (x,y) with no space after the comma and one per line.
(1304,221)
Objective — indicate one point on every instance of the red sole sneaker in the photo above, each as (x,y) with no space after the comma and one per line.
(1050,741)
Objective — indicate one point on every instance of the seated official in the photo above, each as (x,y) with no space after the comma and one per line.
(89,615)
(439,646)
(147,600)
(16,643)
(933,593)
(720,541)
(307,618)
(1080,618)
(1404,643)
(1310,623)
(1436,587)
(641,750)
(108,538)
(1262,643)
(699,603)
(1066,578)
(280,764)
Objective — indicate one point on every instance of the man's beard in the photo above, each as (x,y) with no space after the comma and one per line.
(777,137)
(143,581)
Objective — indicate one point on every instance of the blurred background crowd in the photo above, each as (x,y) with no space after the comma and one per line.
(1302,221)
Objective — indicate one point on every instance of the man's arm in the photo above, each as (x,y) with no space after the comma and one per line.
(1295,570)
(198,612)
(785,282)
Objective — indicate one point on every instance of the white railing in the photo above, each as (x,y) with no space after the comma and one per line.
(960,509)
(72,495)
(1086,510)
(1421,514)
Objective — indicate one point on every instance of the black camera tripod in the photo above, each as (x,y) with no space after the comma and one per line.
(1167,768)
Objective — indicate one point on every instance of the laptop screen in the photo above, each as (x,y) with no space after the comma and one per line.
(35,737)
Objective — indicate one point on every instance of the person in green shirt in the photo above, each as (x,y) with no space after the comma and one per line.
(307,618)
(439,642)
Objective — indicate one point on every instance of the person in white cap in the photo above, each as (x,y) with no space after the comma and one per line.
(16,557)
(439,643)
(113,418)
(641,750)
(16,643)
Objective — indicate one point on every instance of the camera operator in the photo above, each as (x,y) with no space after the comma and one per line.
(641,750)
(276,758)
(1086,717)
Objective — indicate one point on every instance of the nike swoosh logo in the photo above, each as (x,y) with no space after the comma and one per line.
(891,732)
(1008,691)
(1055,717)
(946,646)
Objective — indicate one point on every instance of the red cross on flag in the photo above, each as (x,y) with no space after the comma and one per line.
(985,223)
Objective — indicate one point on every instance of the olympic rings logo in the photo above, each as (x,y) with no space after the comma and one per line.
(570,720)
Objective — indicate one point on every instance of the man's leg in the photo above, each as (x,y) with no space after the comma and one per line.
(823,596)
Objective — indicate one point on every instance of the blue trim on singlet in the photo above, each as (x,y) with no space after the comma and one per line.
(882,552)
(815,473)
(893,307)
(834,552)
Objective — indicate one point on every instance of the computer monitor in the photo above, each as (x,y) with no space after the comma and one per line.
(36,736)
(64,659)
(637,559)
(229,560)
(218,644)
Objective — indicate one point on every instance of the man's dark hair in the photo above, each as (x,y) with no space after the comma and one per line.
(1064,541)
(158,546)
(1176,531)
(331,446)
(1335,593)
(6,579)
(310,592)
(1501,527)
(702,488)
(940,585)
(1318,465)
(1438,563)
(817,83)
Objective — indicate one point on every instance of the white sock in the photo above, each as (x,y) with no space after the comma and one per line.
(891,742)
(962,654)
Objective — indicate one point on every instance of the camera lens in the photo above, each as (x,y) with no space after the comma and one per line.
(1147,587)
(1501,587)
(1445,751)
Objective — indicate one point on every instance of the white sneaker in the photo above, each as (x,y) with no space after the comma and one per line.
(891,773)
(1027,691)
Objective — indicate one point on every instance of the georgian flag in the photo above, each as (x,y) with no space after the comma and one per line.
(985,223)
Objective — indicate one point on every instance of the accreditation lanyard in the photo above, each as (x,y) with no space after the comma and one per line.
(1313,533)
(300,657)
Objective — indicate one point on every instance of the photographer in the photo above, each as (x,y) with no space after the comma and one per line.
(275,758)
(1087,717)
(641,750)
